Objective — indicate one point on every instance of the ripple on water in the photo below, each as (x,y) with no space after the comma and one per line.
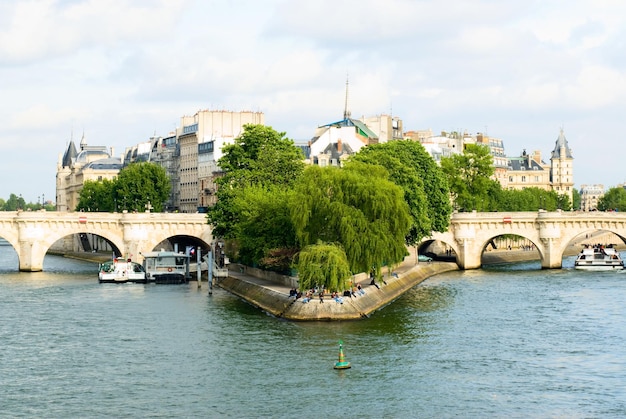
(487,343)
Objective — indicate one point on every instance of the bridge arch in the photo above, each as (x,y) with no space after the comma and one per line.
(180,241)
(33,233)
(550,232)
(603,236)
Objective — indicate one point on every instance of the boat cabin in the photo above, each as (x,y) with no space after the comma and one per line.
(166,267)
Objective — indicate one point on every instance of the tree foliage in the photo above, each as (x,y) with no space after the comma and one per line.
(469,175)
(264,226)
(260,156)
(357,207)
(97,196)
(422,181)
(14,203)
(138,186)
(323,265)
(613,200)
(576,199)
(531,199)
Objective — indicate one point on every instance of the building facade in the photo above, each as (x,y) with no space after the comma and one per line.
(528,171)
(385,127)
(589,196)
(77,166)
(562,168)
(200,139)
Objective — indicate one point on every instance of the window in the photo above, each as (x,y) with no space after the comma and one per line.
(523,178)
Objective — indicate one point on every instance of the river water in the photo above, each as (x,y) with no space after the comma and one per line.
(509,341)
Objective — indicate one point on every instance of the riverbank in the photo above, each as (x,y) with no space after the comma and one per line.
(273,297)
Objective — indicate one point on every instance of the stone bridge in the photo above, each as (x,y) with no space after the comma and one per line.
(551,232)
(32,233)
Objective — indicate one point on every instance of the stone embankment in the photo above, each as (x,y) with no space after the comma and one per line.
(272,294)
(273,297)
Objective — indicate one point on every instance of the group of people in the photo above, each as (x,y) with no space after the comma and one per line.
(354,291)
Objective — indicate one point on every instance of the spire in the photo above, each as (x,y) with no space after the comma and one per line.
(69,155)
(561,148)
(346,112)
(83,141)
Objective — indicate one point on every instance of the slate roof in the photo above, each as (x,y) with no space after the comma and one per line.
(70,154)
(110,163)
(561,141)
(335,153)
(523,163)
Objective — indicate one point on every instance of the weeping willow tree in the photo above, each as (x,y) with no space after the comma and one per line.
(323,264)
(356,207)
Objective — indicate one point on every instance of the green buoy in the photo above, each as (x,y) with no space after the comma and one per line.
(342,364)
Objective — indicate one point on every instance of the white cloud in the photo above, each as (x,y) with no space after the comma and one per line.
(46,28)
(122,70)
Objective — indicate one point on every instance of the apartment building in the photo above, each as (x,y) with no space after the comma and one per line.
(589,196)
(200,138)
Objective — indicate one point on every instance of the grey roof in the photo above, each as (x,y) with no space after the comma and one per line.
(561,142)
(523,163)
(110,163)
(335,153)
(70,154)
(89,152)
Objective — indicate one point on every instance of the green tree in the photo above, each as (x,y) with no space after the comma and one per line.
(469,175)
(323,265)
(14,203)
(260,156)
(356,207)
(96,196)
(140,186)
(531,199)
(264,226)
(576,201)
(613,200)
(422,180)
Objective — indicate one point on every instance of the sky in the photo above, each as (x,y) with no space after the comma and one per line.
(121,71)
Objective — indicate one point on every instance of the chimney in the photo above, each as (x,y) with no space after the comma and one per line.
(537,156)
(112,152)
(339,145)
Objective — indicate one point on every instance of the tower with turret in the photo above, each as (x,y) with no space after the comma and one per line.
(562,167)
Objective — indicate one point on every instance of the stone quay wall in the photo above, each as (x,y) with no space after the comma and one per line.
(274,298)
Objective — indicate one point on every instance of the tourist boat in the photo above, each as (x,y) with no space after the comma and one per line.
(121,271)
(167,267)
(599,258)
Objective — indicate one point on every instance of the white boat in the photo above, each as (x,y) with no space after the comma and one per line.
(599,258)
(166,267)
(121,271)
